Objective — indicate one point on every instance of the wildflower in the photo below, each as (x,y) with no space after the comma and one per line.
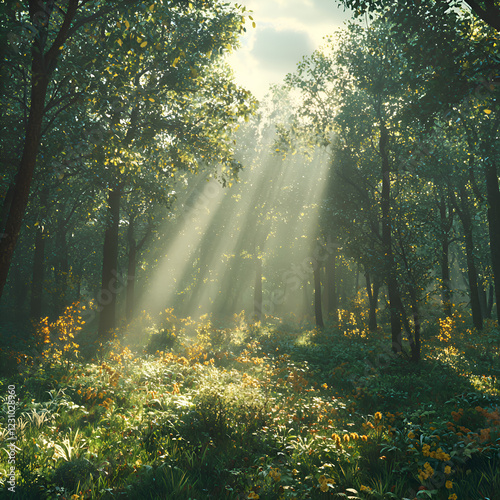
(275,474)
(365,488)
(447,470)
(411,435)
(378,416)
(324,482)
(448,485)
(453,496)
(422,475)
(428,468)
(252,495)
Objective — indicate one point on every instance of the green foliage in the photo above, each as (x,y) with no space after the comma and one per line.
(291,413)
(164,340)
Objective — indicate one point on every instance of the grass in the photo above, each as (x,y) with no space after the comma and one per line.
(242,411)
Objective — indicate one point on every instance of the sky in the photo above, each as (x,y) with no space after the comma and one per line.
(286,30)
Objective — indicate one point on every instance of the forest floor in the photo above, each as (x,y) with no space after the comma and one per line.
(242,411)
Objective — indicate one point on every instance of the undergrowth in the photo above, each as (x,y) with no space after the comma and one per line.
(242,411)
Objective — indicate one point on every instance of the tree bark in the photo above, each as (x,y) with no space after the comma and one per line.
(446,221)
(43,65)
(132,252)
(392,285)
(7,202)
(38,272)
(38,261)
(109,289)
(472,274)
(257,299)
(61,267)
(318,313)
(331,288)
(493,197)
(372,291)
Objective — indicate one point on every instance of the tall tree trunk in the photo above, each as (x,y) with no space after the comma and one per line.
(318,313)
(472,274)
(446,223)
(483,301)
(132,251)
(331,288)
(43,64)
(109,290)
(39,261)
(257,298)
(23,180)
(38,272)
(7,202)
(493,197)
(372,291)
(392,285)
(61,267)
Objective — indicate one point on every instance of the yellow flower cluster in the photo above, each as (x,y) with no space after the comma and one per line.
(438,454)
(324,483)
(114,376)
(426,473)
(275,474)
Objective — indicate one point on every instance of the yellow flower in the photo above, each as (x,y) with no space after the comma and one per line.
(324,487)
(411,435)
(377,416)
(365,488)
(253,496)
(447,470)
(453,496)
(449,485)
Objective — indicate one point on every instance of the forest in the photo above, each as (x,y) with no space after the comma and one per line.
(205,295)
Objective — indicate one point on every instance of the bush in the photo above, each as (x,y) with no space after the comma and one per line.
(162,341)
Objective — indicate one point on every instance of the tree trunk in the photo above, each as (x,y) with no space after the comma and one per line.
(446,222)
(472,273)
(415,346)
(61,268)
(132,252)
(109,290)
(43,64)
(493,197)
(330,288)
(257,299)
(373,303)
(7,201)
(385,202)
(38,272)
(22,185)
(318,313)
(483,301)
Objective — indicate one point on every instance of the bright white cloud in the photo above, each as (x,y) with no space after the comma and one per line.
(286,31)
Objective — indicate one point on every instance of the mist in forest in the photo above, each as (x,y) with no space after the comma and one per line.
(246,246)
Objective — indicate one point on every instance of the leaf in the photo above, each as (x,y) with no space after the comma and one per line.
(253,25)
(152,7)
(151,99)
(120,43)
(143,44)
(487,111)
(127,24)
